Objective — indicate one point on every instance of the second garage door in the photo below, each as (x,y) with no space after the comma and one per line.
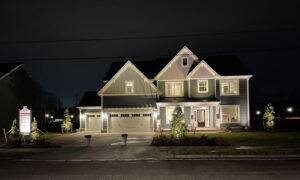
(131,122)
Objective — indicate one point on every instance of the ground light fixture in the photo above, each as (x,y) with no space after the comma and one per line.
(289,109)
(258,112)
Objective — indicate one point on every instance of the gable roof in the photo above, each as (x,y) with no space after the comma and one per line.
(227,65)
(149,68)
(124,67)
(194,70)
(7,67)
(90,98)
(181,52)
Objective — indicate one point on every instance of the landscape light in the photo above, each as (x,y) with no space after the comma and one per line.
(258,112)
(289,109)
(72,116)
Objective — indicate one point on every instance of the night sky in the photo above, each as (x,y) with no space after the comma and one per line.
(68,45)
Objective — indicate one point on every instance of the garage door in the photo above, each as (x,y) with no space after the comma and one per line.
(131,122)
(93,123)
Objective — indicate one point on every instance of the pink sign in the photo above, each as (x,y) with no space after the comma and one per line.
(25,121)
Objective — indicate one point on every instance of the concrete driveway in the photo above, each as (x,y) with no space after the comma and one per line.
(103,146)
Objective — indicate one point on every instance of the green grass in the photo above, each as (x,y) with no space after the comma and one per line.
(263,143)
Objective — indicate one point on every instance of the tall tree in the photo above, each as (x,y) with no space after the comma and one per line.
(67,124)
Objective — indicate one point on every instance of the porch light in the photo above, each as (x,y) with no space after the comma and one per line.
(258,112)
(289,109)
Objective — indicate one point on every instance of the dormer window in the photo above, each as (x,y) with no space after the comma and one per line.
(129,87)
(184,62)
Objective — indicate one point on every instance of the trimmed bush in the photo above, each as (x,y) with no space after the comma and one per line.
(163,140)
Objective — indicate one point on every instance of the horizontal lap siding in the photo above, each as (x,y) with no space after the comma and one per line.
(163,118)
(194,89)
(241,100)
(187,115)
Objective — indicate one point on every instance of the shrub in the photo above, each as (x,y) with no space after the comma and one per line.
(14,136)
(163,140)
(34,135)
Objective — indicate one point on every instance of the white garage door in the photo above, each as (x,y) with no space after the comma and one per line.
(131,122)
(93,123)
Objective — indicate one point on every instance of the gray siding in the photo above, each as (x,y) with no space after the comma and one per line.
(163,118)
(129,101)
(194,89)
(241,100)
(187,115)
(185,88)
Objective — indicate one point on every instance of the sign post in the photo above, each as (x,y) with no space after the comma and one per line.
(25,121)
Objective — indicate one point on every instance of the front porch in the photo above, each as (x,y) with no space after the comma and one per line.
(204,116)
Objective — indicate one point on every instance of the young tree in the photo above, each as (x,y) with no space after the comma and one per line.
(269,116)
(34,135)
(177,124)
(67,124)
(14,136)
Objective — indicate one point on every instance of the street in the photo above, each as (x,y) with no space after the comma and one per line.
(171,169)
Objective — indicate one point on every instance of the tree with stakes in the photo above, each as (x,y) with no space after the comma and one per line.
(177,124)
(67,124)
(34,135)
(14,136)
(269,117)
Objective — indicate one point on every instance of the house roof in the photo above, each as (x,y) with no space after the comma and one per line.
(7,67)
(224,65)
(90,98)
(183,99)
(149,68)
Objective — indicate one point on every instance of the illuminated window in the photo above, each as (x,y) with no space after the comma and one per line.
(170,112)
(202,86)
(129,86)
(174,89)
(184,62)
(230,114)
(229,87)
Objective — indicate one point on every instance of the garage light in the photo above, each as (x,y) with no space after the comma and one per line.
(83,116)
(105,115)
(155,114)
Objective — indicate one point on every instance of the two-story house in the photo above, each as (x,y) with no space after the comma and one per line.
(141,96)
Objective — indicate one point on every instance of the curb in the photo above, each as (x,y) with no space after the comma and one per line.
(237,157)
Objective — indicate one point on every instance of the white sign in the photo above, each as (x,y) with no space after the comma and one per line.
(25,121)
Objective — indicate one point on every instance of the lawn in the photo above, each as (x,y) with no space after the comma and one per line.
(245,143)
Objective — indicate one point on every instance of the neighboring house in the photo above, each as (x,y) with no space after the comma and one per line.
(141,96)
(17,89)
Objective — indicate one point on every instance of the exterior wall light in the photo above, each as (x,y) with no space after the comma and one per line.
(258,112)
(289,109)
(155,114)
(72,116)
(83,116)
(105,115)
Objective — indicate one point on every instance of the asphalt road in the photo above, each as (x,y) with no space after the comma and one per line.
(179,169)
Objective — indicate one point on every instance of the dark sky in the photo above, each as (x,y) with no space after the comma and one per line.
(68,45)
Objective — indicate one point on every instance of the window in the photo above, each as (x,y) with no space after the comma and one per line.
(135,115)
(184,62)
(229,87)
(146,115)
(129,86)
(113,115)
(202,86)
(230,114)
(124,115)
(170,112)
(174,89)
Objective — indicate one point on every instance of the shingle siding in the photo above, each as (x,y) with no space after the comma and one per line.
(240,99)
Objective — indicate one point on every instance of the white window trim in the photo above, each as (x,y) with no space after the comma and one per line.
(238,87)
(187,62)
(126,86)
(172,82)
(239,117)
(198,86)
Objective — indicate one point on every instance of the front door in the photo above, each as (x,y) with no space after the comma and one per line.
(201,117)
